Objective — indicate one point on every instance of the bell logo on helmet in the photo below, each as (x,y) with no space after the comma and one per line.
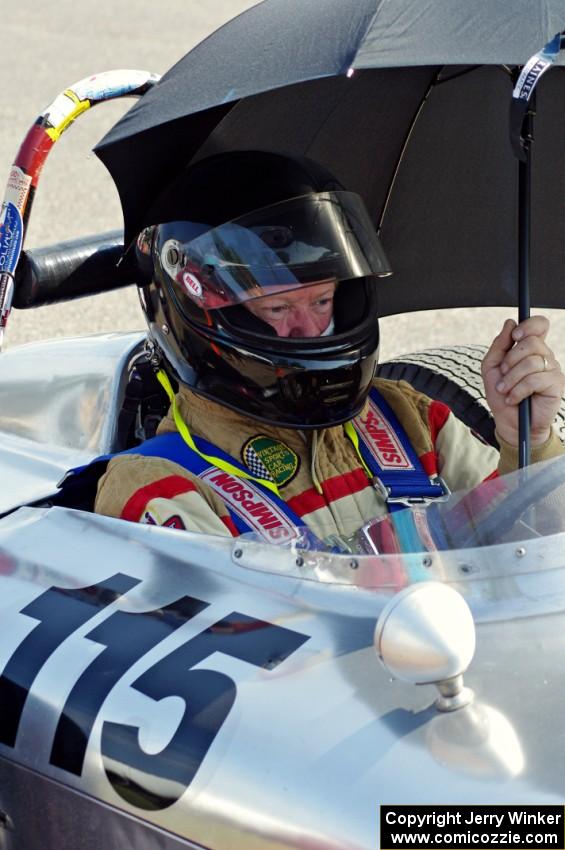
(192,285)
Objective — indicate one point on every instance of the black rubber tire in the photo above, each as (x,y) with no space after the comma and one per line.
(453,375)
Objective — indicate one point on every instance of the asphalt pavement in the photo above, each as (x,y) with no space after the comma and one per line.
(46,48)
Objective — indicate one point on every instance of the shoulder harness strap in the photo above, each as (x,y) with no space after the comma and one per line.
(389,458)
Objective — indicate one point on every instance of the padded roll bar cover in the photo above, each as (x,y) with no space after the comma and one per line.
(71,269)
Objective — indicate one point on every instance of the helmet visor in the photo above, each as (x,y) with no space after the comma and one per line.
(306,240)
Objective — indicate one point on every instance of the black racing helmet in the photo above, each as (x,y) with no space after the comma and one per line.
(243,225)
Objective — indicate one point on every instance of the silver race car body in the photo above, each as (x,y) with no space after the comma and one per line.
(163,689)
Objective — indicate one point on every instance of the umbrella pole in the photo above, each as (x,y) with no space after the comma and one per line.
(522,111)
(524,232)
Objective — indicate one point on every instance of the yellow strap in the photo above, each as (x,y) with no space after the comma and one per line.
(183,430)
(354,437)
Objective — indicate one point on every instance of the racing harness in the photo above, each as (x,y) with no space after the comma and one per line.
(255,504)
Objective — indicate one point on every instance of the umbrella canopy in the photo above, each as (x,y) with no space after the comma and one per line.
(406,101)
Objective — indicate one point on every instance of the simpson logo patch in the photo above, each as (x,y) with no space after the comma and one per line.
(381,439)
(255,508)
(271,459)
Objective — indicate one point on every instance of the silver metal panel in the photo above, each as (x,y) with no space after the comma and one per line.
(63,392)
(29,472)
(58,408)
(312,743)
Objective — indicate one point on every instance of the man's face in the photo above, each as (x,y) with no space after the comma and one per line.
(305,312)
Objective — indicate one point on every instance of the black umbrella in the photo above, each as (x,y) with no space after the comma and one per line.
(406,102)
(282,43)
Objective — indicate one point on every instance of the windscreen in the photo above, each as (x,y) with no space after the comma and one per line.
(501,540)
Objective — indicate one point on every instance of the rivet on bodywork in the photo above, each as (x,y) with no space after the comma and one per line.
(520,552)
(237,553)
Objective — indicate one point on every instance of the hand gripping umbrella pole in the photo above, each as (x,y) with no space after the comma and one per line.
(25,172)
(522,112)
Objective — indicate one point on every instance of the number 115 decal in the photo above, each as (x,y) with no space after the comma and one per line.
(126,637)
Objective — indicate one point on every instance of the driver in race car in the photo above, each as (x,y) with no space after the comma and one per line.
(259,286)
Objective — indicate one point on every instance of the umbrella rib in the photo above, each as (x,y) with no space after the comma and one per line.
(436,81)
(405,145)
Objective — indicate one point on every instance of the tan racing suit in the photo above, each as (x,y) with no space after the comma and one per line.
(318,473)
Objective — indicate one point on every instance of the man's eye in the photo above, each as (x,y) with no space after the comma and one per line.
(275,311)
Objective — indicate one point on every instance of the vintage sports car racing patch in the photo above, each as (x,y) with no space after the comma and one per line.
(271,459)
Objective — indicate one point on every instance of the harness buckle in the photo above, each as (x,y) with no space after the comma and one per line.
(385,492)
